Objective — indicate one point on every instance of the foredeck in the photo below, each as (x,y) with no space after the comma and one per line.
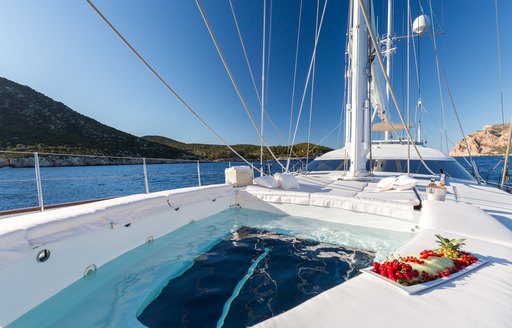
(481,298)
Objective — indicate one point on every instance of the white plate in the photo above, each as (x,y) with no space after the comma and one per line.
(426,285)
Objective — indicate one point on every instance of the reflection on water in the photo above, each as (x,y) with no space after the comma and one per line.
(293,271)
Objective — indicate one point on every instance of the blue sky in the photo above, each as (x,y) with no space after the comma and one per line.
(62,49)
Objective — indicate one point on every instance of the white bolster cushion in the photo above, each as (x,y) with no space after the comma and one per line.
(404,183)
(386,184)
(287,181)
(267,181)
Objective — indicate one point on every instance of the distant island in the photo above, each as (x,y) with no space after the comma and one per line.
(490,141)
(33,122)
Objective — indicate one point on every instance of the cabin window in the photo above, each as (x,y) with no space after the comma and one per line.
(450,167)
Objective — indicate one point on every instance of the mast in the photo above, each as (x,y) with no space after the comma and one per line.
(359,143)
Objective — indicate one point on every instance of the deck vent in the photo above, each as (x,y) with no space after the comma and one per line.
(43,255)
(90,270)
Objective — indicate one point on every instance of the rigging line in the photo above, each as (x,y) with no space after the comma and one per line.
(245,52)
(309,75)
(505,165)
(312,87)
(96,10)
(346,85)
(267,73)
(416,56)
(408,86)
(344,101)
(448,139)
(325,137)
(279,133)
(294,77)
(250,69)
(233,82)
(391,90)
(443,115)
(300,159)
(342,112)
(473,165)
(499,61)
(263,82)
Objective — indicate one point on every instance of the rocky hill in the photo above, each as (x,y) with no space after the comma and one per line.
(491,141)
(252,152)
(31,121)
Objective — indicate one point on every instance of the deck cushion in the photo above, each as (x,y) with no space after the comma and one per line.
(267,181)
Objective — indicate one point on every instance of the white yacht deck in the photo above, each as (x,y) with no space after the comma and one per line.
(481,214)
(481,298)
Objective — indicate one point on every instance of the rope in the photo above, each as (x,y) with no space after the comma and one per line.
(499,60)
(345,77)
(312,87)
(235,85)
(443,117)
(416,56)
(326,136)
(245,52)
(279,133)
(505,165)
(294,80)
(251,73)
(164,82)
(22,180)
(507,153)
(408,86)
(391,90)
(473,165)
(263,81)
(313,56)
(267,73)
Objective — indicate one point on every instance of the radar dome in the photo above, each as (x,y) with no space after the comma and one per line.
(421,24)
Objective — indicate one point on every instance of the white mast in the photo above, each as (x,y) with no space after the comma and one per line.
(359,143)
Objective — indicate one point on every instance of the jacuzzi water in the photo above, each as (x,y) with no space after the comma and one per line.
(120,291)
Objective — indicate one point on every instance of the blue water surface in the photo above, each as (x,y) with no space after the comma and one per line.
(70,184)
(78,183)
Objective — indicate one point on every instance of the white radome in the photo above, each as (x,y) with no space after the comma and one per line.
(421,24)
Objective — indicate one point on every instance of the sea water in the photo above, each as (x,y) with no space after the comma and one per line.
(70,184)
(315,255)
(78,183)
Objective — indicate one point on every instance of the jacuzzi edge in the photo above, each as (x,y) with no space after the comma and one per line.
(69,257)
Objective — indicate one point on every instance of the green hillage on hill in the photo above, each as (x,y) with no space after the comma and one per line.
(215,152)
(31,121)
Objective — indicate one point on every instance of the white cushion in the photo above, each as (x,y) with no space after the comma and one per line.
(287,181)
(404,183)
(267,181)
(277,195)
(386,184)
(241,168)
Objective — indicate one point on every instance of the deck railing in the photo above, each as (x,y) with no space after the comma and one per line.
(82,186)
(38,179)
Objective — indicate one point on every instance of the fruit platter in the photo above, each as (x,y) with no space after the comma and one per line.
(427,269)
